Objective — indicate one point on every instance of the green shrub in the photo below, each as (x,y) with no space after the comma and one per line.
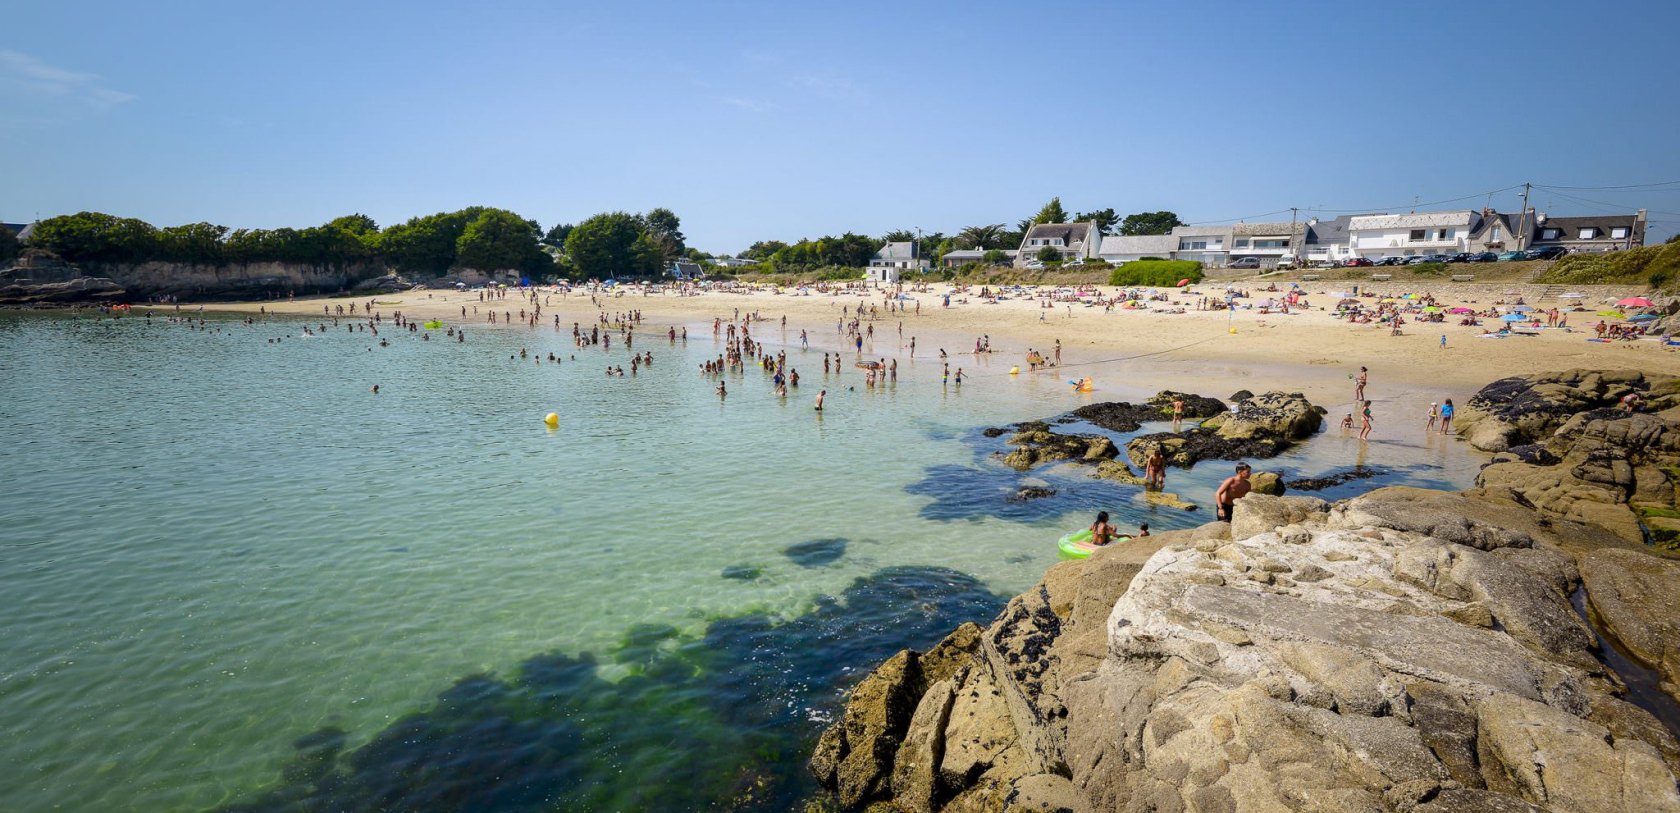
(1158,273)
(1429,269)
(995,257)
(1049,254)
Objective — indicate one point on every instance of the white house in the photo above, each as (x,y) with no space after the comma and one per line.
(1070,239)
(1267,242)
(893,259)
(1211,245)
(1378,236)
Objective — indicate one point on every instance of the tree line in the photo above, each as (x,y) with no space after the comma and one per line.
(477,237)
(611,244)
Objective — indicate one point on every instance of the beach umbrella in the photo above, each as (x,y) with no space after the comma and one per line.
(1461,310)
(1513,317)
(1611,314)
(1431,309)
(1183,282)
(1634,302)
(1646,318)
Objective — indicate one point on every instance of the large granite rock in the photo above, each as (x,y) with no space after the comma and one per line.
(1637,596)
(1120,416)
(1260,427)
(1035,444)
(42,278)
(1527,409)
(1407,650)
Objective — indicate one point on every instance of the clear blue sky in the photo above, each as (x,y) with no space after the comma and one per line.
(780,120)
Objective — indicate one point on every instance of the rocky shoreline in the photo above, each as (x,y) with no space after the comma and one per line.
(1404,650)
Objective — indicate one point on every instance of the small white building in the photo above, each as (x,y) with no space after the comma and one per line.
(1069,239)
(893,259)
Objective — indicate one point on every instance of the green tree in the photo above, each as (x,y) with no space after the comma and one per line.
(1051,213)
(666,231)
(763,250)
(1103,218)
(982,237)
(1149,223)
(995,257)
(426,245)
(499,240)
(900,236)
(557,236)
(1049,254)
(945,247)
(96,238)
(358,224)
(614,244)
(9,245)
(195,243)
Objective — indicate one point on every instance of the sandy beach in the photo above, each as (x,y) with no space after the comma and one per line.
(1212,352)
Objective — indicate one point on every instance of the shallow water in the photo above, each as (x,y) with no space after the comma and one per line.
(229,566)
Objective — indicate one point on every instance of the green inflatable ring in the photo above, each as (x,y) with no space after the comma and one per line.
(1077,545)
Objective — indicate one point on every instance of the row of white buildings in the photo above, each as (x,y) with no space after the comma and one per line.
(1371,236)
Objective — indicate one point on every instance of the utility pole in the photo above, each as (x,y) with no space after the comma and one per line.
(1293,213)
(1522,218)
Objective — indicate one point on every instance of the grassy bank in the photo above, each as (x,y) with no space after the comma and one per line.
(1655,266)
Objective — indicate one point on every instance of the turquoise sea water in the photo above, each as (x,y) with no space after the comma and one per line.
(234,577)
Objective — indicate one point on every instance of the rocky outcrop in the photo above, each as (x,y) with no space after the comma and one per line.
(1035,444)
(41,278)
(1260,427)
(1610,466)
(237,280)
(1407,650)
(1636,596)
(1528,409)
(1119,416)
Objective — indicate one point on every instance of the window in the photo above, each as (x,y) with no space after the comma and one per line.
(1589,233)
(1445,234)
(1619,233)
(1271,243)
(1192,245)
(1549,234)
(1419,234)
(1493,236)
(1242,242)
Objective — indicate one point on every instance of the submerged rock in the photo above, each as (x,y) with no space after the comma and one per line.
(1260,427)
(1119,416)
(817,552)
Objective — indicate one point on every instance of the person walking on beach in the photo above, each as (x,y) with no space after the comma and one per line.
(1365,421)
(1359,386)
(1058,352)
(1234,488)
(1446,416)
(1178,411)
(1434,417)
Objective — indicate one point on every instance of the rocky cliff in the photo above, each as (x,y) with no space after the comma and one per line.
(38,278)
(42,278)
(1407,650)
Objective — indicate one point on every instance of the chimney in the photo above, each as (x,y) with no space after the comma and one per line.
(1312,221)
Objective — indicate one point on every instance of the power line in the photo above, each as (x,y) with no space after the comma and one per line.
(1235,219)
(1625,186)
(1414,204)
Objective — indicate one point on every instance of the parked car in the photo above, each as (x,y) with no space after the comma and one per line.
(1512,256)
(1357,262)
(1427,258)
(1246,262)
(1392,261)
(1547,253)
(1460,257)
(1287,261)
(1484,257)
(1035,264)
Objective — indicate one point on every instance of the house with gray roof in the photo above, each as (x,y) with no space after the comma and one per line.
(966,256)
(1071,239)
(1123,248)
(1500,232)
(1328,240)
(1588,234)
(21,230)
(1266,242)
(893,259)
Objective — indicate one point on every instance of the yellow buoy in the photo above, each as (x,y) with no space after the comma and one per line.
(1014,371)
(1233,331)
(552,419)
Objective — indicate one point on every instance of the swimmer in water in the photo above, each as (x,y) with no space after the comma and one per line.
(820,396)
